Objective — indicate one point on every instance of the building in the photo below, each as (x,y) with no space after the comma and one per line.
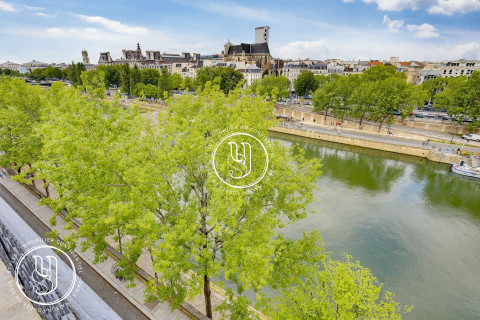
(33,65)
(150,60)
(261,34)
(252,73)
(459,68)
(85,58)
(426,74)
(319,68)
(257,53)
(412,70)
(292,70)
(13,66)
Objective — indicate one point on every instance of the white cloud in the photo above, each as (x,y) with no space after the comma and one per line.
(113,25)
(393,25)
(397,5)
(46,15)
(423,31)
(303,49)
(449,7)
(445,7)
(34,8)
(467,50)
(5,6)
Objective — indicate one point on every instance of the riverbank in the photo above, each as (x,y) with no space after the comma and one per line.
(389,146)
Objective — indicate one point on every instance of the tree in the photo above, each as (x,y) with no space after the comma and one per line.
(165,83)
(21,107)
(187,84)
(273,87)
(378,73)
(150,76)
(113,75)
(305,84)
(135,77)
(206,227)
(433,87)
(362,100)
(461,98)
(176,81)
(339,289)
(323,98)
(126,84)
(94,83)
(228,78)
(395,94)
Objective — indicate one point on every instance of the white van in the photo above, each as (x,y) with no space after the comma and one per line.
(473,137)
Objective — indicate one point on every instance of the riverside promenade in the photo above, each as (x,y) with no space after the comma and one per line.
(129,303)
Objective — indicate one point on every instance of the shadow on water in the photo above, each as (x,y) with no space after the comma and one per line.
(447,189)
(370,169)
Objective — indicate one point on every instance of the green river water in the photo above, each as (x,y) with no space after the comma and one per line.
(415,224)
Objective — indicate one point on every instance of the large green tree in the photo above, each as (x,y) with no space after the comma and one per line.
(305,83)
(228,78)
(273,87)
(461,98)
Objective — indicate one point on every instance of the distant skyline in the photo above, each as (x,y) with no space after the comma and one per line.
(57,31)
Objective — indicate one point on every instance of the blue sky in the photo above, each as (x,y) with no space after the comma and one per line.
(57,31)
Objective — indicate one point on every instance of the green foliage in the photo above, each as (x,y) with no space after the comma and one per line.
(10,72)
(149,76)
(176,81)
(228,78)
(434,86)
(376,95)
(150,187)
(272,87)
(94,83)
(21,107)
(135,77)
(379,73)
(339,289)
(461,98)
(306,83)
(165,83)
(113,75)
(126,86)
(73,74)
(46,73)
(187,84)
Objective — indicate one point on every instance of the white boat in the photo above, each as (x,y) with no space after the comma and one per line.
(465,170)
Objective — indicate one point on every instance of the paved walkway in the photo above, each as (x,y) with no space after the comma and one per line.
(423,133)
(116,287)
(10,309)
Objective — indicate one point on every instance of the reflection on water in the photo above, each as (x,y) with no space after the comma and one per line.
(412,222)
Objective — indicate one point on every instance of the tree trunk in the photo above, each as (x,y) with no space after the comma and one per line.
(325,117)
(360,124)
(120,241)
(46,188)
(207,293)
(380,126)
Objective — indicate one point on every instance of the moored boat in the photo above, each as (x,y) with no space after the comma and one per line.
(465,170)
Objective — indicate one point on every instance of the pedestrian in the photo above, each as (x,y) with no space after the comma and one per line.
(4,171)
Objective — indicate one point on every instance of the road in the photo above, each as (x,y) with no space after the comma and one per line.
(102,288)
(445,147)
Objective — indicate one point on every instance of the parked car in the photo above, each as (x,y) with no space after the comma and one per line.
(473,137)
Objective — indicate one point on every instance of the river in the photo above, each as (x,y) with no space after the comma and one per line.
(412,222)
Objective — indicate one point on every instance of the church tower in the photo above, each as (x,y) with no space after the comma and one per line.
(86,60)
